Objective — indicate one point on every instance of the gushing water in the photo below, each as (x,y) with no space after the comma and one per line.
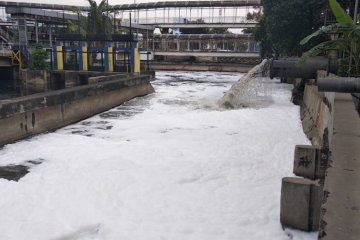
(250,90)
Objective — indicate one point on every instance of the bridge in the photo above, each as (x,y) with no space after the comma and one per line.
(206,45)
(37,22)
(179,14)
(190,14)
(194,22)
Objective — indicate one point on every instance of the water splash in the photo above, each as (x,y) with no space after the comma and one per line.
(250,90)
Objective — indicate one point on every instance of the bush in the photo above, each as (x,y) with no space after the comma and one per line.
(38,58)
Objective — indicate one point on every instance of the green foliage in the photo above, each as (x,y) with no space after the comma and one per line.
(38,58)
(347,43)
(257,15)
(284,23)
(339,13)
(75,27)
(333,28)
(98,22)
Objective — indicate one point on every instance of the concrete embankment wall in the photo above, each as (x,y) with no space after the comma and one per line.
(198,66)
(25,116)
(302,196)
(317,115)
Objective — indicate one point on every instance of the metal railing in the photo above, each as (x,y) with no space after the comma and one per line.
(208,45)
(5,50)
(192,20)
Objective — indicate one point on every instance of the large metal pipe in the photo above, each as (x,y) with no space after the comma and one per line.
(284,68)
(339,84)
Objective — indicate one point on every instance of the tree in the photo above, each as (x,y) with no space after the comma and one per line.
(38,58)
(284,23)
(348,42)
(98,22)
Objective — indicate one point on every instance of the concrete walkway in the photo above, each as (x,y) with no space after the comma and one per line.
(341,219)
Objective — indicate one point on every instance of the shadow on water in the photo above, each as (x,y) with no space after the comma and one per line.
(16,172)
(185,78)
(128,109)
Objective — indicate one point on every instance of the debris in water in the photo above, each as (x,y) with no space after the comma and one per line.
(16,172)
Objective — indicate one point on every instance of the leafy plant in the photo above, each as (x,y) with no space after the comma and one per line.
(284,23)
(347,44)
(96,22)
(38,58)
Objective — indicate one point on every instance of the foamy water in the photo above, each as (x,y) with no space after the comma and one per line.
(250,91)
(171,165)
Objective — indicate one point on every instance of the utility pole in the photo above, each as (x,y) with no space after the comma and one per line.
(356,11)
(107,7)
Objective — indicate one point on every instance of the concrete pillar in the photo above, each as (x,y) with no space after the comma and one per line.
(37,31)
(23,40)
(50,35)
(310,162)
(178,45)
(300,203)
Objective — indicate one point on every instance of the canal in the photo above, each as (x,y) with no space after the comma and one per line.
(171,165)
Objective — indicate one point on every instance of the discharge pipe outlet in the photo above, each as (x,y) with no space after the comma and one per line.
(339,84)
(284,68)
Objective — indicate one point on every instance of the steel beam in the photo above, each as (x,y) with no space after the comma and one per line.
(207,25)
(209,54)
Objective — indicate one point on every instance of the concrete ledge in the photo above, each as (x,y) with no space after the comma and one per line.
(218,67)
(300,203)
(310,162)
(341,207)
(97,79)
(38,113)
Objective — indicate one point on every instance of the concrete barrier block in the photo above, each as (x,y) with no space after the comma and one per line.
(310,161)
(300,203)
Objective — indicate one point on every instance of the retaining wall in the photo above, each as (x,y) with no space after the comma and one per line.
(197,66)
(25,116)
(317,115)
(302,196)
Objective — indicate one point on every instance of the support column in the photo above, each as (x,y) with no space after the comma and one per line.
(78,23)
(135,59)
(110,59)
(114,27)
(36,31)
(50,35)
(23,40)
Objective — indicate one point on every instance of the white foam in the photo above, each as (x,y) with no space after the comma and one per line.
(169,168)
